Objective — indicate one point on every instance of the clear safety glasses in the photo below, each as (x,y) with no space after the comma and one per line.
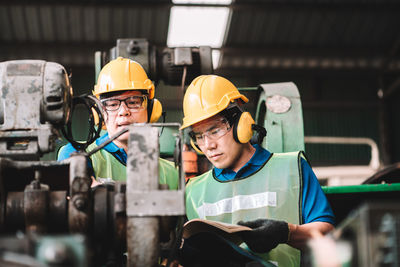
(134,103)
(214,133)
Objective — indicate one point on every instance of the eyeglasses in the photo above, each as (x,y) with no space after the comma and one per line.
(213,133)
(134,103)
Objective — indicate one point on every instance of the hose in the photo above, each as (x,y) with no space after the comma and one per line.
(93,106)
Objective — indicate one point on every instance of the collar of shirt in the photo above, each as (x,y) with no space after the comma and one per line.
(112,148)
(256,161)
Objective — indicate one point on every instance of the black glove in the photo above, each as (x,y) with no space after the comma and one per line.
(266,234)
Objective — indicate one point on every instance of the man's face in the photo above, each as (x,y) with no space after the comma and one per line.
(121,117)
(217,143)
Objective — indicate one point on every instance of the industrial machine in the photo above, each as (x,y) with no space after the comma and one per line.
(174,66)
(50,215)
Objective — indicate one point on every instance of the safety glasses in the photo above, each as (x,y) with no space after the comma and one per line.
(214,133)
(134,103)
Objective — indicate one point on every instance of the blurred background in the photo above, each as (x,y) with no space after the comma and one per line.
(343,56)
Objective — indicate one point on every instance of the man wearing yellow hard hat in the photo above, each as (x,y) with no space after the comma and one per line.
(127,96)
(275,194)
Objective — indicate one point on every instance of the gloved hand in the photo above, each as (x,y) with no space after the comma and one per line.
(266,234)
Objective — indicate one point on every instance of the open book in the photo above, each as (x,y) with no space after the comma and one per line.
(228,231)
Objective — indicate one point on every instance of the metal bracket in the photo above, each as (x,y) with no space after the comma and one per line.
(156,203)
(142,194)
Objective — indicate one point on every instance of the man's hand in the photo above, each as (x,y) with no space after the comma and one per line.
(266,234)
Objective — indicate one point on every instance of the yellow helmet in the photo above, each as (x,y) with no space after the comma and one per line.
(123,74)
(206,96)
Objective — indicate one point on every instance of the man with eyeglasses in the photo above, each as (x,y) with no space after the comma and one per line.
(275,194)
(127,96)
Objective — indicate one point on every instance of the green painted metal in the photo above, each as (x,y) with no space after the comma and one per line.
(361,188)
(285,131)
(167,141)
(69,249)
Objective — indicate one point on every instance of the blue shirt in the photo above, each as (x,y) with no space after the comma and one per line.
(315,206)
(117,152)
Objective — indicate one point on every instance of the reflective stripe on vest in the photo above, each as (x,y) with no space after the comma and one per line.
(272,192)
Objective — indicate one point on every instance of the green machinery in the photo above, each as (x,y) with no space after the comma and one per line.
(279,111)
(368,214)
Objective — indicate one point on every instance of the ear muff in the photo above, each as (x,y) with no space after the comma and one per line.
(242,128)
(154,110)
(195,147)
(97,119)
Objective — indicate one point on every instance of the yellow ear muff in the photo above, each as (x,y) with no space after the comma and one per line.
(97,119)
(196,147)
(242,129)
(156,111)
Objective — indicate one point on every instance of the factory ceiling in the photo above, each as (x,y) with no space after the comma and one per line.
(260,36)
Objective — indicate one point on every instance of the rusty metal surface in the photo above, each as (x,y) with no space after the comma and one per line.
(15,175)
(156,203)
(143,195)
(33,92)
(57,212)
(142,176)
(35,95)
(119,218)
(58,208)
(102,230)
(142,241)
(142,162)
(100,212)
(79,207)
(14,211)
(109,223)
(36,199)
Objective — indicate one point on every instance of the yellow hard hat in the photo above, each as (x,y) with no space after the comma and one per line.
(123,74)
(206,96)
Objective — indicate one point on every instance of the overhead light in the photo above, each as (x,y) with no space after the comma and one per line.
(212,2)
(198,26)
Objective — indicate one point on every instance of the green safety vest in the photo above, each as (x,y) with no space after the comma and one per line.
(273,192)
(105,165)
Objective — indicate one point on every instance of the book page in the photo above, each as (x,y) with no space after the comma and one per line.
(228,231)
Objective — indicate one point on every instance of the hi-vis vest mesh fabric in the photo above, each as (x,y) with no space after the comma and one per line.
(105,165)
(274,192)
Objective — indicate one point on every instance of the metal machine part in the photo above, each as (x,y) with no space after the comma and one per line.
(346,174)
(45,196)
(369,236)
(388,174)
(161,63)
(145,201)
(43,251)
(35,99)
(51,198)
(279,112)
(43,200)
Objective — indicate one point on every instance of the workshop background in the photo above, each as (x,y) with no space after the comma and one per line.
(343,55)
